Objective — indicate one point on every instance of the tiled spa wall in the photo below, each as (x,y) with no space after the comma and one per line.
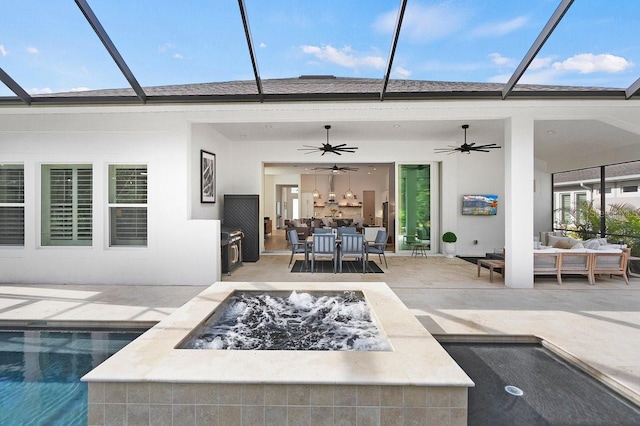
(263,404)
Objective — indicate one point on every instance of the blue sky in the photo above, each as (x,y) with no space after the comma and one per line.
(47,46)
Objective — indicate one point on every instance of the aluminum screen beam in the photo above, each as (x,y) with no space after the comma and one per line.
(15,87)
(247,32)
(111,48)
(553,22)
(632,90)
(394,44)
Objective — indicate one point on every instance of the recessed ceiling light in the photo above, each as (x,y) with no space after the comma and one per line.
(551,132)
(268,126)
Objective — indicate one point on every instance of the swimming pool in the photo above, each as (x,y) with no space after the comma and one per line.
(527,384)
(40,373)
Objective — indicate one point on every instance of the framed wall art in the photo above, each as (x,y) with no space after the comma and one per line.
(207,177)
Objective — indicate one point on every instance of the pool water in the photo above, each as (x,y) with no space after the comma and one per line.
(40,373)
(526,384)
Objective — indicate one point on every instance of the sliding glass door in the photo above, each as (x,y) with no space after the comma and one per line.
(415,205)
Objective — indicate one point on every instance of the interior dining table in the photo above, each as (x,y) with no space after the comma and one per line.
(309,243)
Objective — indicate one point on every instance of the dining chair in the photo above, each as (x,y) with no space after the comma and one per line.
(346,230)
(324,247)
(378,246)
(321,230)
(297,246)
(352,246)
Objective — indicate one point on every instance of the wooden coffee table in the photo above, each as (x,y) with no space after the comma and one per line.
(491,264)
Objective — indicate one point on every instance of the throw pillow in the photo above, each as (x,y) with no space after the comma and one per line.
(563,245)
(553,240)
(592,244)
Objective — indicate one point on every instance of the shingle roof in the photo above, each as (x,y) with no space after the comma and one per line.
(316,87)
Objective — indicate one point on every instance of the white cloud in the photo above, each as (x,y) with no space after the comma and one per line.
(178,56)
(263,45)
(344,57)
(80,89)
(40,91)
(497,29)
(499,60)
(32,50)
(424,24)
(539,63)
(166,47)
(545,71)
(587,63)
(3,51)
(400,72)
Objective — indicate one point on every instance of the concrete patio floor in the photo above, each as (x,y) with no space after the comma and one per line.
(598,325)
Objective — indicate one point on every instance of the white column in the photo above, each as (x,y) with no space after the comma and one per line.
(519,175)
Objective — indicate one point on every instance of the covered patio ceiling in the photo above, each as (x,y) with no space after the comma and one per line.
(412,31)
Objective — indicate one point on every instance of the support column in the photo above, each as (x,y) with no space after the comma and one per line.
(519,175)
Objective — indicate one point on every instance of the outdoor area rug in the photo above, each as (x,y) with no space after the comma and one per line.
(351,266)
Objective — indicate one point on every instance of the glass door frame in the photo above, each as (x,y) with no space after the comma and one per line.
(434,211)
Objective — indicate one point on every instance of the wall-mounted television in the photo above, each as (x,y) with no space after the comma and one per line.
(480,205)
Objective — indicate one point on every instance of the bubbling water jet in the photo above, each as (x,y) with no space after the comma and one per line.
(299,321)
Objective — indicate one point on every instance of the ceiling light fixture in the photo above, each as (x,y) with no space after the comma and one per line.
(327,147)
(316,193)
(349,193)
(467,147)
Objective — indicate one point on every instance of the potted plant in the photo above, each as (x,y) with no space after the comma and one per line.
(449,239)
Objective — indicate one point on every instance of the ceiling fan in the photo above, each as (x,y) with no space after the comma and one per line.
(467,147)
(327,147)
(336,169)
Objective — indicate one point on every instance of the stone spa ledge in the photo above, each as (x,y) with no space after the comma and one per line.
(150,381)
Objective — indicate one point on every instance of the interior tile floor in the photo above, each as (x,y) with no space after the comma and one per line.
(599,325)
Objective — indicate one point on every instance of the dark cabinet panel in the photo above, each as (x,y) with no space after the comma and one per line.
(242,211)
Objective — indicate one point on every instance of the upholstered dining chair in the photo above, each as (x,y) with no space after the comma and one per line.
(324,247)
(378,246)
(321,230)
(352,246)
(297,246)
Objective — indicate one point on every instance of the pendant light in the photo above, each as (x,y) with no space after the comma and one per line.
(316,193)
(332,193)
(349,193)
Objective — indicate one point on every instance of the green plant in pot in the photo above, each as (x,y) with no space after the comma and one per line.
(449,239)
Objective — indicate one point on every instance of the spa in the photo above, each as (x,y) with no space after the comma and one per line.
(272,386)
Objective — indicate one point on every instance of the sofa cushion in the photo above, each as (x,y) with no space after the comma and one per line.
(563,244)
(609,249)
(552,240)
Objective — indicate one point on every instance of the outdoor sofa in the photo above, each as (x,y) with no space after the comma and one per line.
(568,256)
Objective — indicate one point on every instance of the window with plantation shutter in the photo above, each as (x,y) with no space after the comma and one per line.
(67,205)
(128,205)
(11,204)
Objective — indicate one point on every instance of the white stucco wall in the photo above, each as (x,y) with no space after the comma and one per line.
(180,250)
(184,233)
